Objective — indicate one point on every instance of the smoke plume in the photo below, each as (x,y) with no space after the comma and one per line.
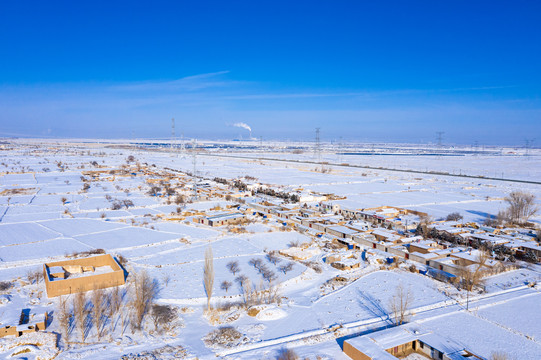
(244,126)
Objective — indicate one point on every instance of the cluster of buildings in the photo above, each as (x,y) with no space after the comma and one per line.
(384,232)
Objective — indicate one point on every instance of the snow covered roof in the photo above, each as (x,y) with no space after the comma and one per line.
(342,229)
(348,262)
(427,245)
(225,216)
(374,345)
(407,240)
(386,233)
(490,238)
(425,256)
(531,245)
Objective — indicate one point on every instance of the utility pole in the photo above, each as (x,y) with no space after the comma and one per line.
(182,146)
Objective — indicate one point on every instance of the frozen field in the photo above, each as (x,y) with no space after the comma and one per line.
(46,214)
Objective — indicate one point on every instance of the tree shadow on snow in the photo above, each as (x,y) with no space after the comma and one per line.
(483,215)
(373,306)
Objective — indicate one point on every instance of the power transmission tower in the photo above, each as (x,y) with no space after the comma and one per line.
(528,145)
(475,148)
(439,137)
(340,151)
(172,132)
(317,149)
(194,175)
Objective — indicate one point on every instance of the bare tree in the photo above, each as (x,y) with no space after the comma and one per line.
(99,306)
(521,206)
(286,267)
(233,267)
(64,200)
(255,262)
(241,279)
(269,275)
(115,301)
(400,303)
(499,355)
(287,354)
(424,222)
(208,274)
(225,285)
(80,314)
(64,316)
(471,276)
(144,291)
(154,190)
(162,315)
(273,258)
(179,199)
(247,291)
(166,279)
(34,276)
(455,216)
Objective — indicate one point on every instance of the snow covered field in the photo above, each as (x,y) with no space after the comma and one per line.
(46,215)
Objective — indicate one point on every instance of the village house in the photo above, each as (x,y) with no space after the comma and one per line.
(401,341)
(220,218)
(300,253)
(341,232)
(329,207)
(79,275)
(365,239)
(346,264)
(423,246)
(28,323)
(387,235)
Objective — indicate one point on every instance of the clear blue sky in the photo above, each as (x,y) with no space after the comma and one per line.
(393,71)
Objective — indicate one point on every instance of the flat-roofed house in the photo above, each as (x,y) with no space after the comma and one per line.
(341,231)
(79,275)
(400,342)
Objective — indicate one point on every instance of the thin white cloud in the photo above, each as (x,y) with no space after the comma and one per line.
(293,95)
(188,83)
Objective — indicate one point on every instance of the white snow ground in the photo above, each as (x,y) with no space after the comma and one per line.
(35,228)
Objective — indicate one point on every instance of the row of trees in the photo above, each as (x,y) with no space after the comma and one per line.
(251,293)
(107,310)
